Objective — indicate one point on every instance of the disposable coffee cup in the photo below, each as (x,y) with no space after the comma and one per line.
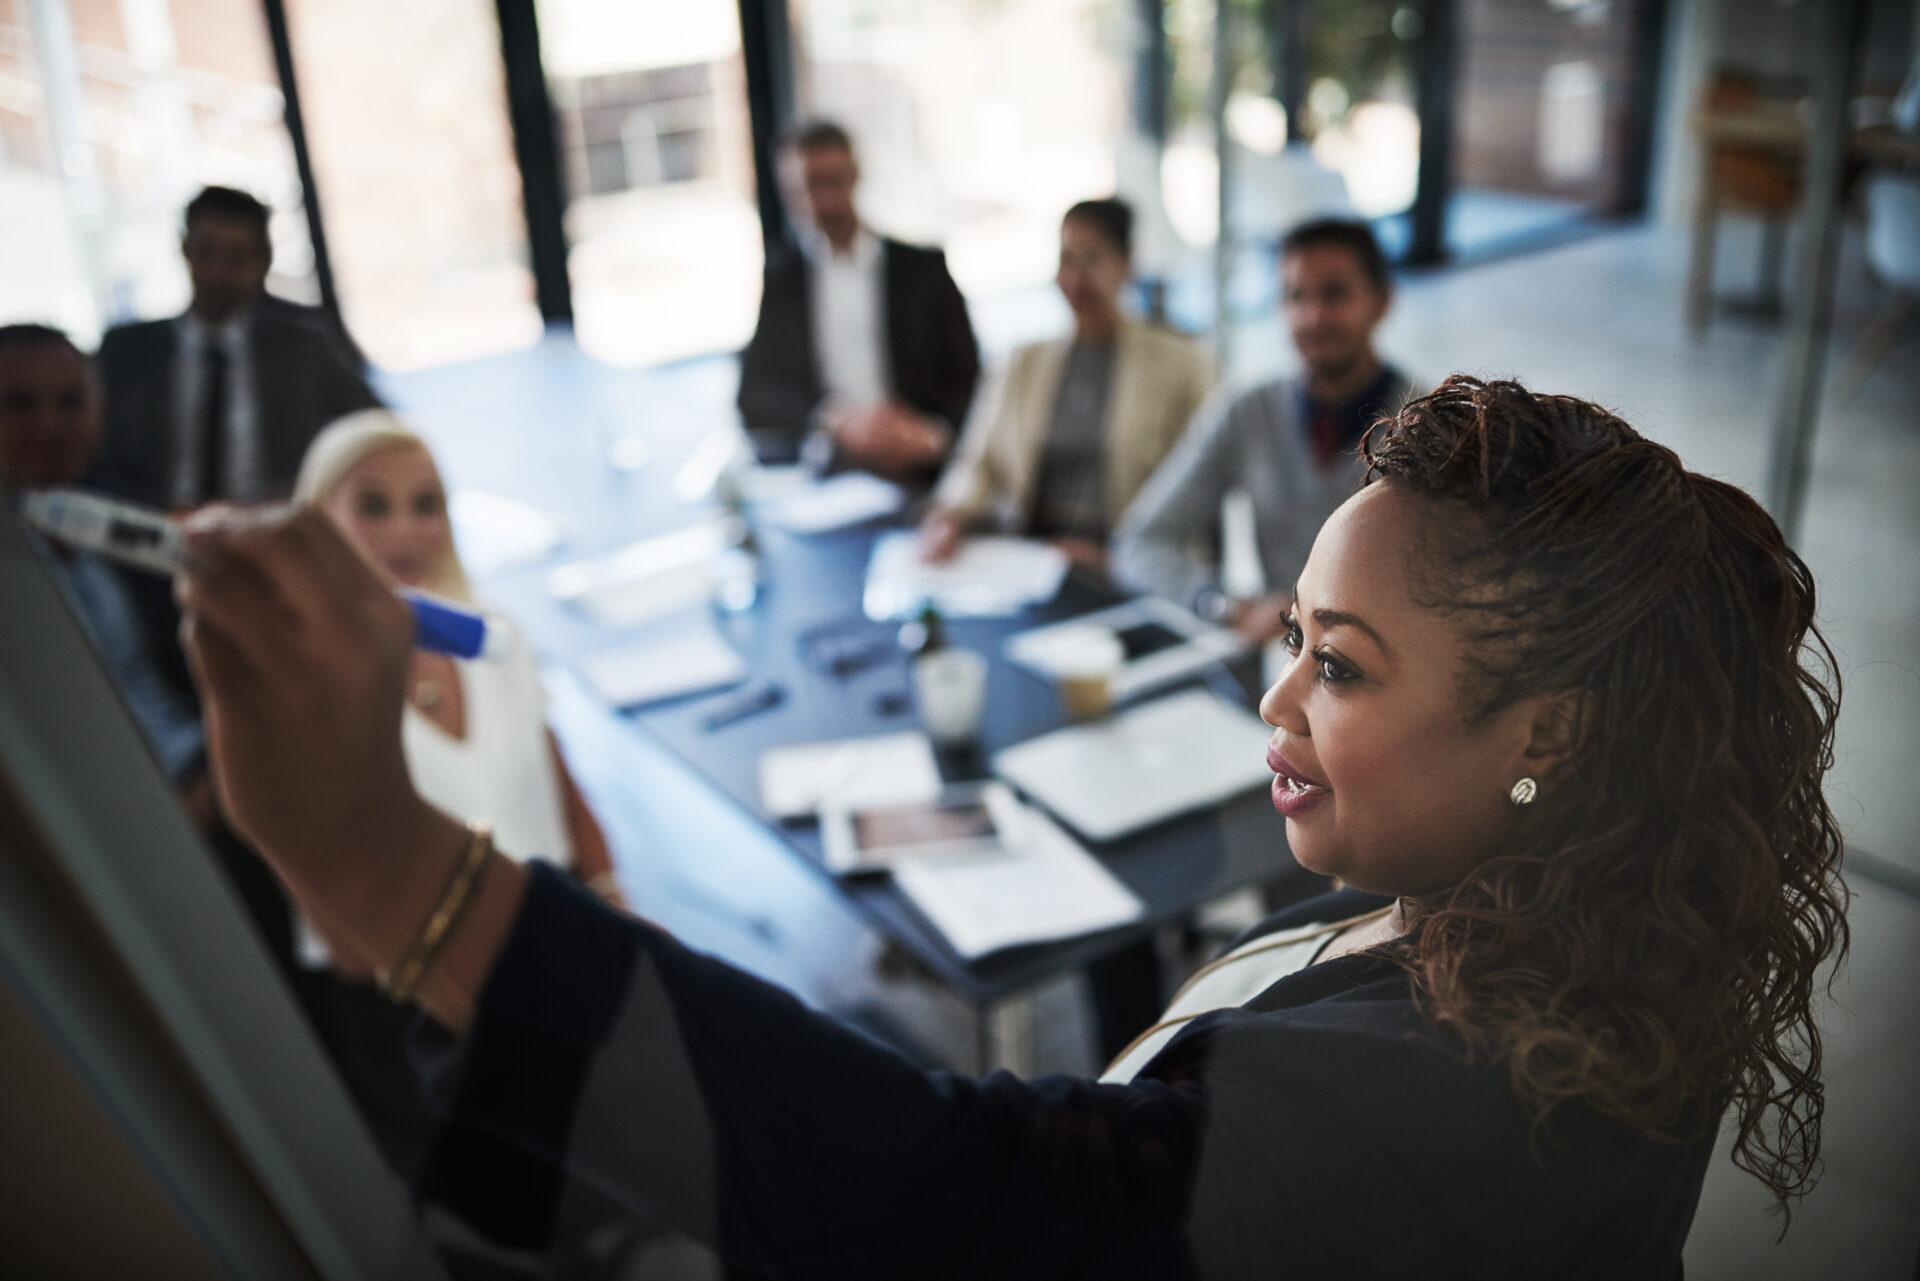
(950,686)
(1085,664)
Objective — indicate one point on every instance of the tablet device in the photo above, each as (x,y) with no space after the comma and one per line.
(964,820)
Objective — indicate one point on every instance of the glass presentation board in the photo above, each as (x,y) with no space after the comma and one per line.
(132,958)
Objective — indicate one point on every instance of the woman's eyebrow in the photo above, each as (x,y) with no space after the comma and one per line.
(1335,618)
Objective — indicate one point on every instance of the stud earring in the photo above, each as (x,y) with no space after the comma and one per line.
(1523,793)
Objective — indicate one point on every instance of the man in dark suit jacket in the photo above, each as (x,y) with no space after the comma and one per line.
(863,355)
(221,403)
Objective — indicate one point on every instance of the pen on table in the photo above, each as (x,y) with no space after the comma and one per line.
(750,702)
(151,540)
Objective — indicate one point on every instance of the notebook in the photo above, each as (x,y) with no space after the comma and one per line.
(889,769)
(683,656)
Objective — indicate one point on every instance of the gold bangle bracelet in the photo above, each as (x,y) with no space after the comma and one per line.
(404,980)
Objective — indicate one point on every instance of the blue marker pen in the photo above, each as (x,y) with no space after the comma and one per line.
(150,540)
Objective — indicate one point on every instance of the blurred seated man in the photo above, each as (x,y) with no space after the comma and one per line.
(221,403)
(863,356)
(1290,443)
(49,428)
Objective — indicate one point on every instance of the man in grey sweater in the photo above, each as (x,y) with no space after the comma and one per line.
(1292,443)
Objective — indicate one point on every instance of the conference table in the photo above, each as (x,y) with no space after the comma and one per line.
(811,591)
(539,428)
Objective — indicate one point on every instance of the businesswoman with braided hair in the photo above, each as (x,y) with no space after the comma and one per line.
(1558,715)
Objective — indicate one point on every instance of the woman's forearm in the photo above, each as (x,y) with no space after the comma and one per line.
(451,989)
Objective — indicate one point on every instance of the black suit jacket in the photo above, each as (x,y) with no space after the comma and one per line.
(933,360)
(301,376)
(1324,1129)
(304,379)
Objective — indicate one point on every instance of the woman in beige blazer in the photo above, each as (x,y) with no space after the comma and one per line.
(1069,430)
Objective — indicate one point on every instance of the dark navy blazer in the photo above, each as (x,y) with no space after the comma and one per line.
(1321,1130)
(932,358)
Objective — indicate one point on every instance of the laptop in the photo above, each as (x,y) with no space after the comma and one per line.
(1112,777)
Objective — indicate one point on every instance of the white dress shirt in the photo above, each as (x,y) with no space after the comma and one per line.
(849,318)
(241,457)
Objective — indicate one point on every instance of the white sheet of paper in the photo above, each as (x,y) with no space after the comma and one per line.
(834,503)
(987,576)
(496,534)
(680,657)
(1045,888)
(643,581)
(890,769)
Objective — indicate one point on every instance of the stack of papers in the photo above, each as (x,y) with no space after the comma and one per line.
(1044,888)
(987,576)
(890,769)
(683,656)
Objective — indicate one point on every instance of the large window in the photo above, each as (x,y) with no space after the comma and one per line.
(112,114)
(978,122)
(405,110)
(657,160)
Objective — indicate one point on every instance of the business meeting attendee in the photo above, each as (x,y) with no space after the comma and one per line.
(1290,444)
(218,403)
(476,733)
(222,401)
(1064,436)
(1557,712)
(50,413)
(863,356)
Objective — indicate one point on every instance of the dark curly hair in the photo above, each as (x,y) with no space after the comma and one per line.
(1649,943)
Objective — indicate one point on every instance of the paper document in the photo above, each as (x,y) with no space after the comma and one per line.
(834,503)
(1163,644)
(496,534)
(1044,888)
(683,656)
(987,576)
(890,769)
(643,581)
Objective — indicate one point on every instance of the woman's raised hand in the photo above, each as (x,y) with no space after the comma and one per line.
(301,652)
